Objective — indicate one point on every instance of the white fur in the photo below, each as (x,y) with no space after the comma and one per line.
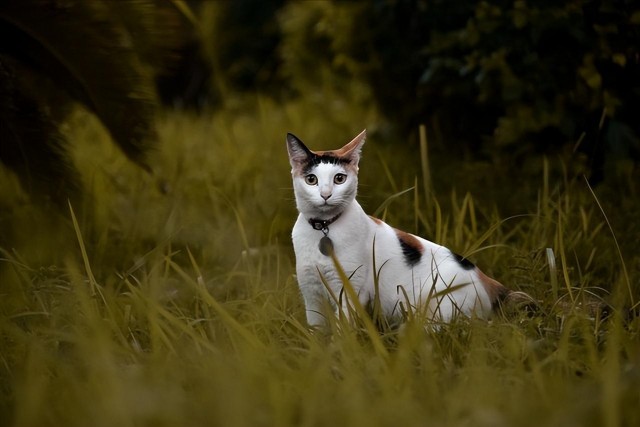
(353,235)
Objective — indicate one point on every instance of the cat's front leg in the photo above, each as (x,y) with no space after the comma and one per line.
(348,309)
(314,310)
(316,300)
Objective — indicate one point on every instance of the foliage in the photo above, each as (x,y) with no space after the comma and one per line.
(240,40)
(511,77)
(54,53)
(542,70)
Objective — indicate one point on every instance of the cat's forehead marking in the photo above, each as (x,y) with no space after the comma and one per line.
(412,249)
(339,153)
(328,157)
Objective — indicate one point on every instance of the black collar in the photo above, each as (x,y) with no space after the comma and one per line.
(323,224)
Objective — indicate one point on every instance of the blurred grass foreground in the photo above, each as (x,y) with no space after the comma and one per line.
(146,270)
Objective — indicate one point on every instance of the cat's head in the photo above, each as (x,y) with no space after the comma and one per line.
(324,182)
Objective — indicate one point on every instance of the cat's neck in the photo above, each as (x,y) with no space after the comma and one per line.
(318,220)
(323,224)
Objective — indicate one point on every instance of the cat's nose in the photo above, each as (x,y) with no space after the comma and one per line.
(326,196)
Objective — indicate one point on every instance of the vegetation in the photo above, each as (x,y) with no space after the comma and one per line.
(495,76)
(170,299)
(181,308)
(54,55)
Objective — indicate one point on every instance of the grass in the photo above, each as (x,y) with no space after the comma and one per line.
(171,299)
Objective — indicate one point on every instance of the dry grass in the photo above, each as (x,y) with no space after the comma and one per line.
(179,307)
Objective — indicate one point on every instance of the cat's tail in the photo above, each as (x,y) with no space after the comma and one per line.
(505,300)
(516,302)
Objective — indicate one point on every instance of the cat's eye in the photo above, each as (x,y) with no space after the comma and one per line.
(311,179)
(340,178)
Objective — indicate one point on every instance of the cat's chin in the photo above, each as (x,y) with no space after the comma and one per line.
(324,211)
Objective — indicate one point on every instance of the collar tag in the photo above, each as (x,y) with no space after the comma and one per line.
(325,245)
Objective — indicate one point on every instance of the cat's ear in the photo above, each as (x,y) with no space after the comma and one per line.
(352,149)
(299,154)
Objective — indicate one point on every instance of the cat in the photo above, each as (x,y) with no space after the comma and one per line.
(411,270)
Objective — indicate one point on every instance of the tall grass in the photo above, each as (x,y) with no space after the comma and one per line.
(171,299)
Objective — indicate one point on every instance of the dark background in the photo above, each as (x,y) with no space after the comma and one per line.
(491,80)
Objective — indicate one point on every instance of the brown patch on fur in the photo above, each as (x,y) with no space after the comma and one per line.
(497,291)
(412,249)
(376,220)
(327,153)
(409,240)
(505,300)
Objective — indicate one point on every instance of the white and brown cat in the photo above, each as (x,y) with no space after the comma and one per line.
(430,276)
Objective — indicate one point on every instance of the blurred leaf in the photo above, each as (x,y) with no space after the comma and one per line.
(98,53)
(589,73)
(82,48)
(30,142)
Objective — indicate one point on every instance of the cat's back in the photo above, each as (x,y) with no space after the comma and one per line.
(406,249)
(424,269)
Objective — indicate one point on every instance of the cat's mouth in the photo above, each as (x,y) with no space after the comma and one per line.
(325,205)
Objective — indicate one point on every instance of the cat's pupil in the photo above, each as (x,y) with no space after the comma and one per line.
(311,179)
(340,178)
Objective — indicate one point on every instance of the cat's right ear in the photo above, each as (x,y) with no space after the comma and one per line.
(299,154)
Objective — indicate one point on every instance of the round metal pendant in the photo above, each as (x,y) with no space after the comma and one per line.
(326,246)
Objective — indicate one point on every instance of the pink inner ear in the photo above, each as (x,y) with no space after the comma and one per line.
(354,144)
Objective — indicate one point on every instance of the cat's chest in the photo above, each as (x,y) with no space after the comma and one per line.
(347,238)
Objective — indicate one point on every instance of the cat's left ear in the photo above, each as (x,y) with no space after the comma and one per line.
(299,154)
(352,149)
